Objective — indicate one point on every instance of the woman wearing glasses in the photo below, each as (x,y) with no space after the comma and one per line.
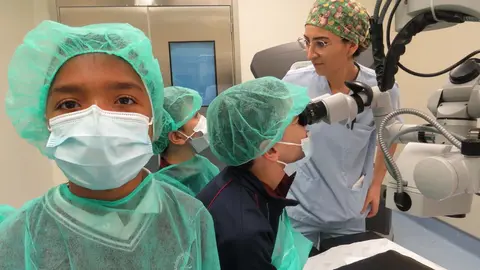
(339,187)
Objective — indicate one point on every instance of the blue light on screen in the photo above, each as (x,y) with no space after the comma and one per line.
(192,65)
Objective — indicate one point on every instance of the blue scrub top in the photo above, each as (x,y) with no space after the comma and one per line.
(325,186)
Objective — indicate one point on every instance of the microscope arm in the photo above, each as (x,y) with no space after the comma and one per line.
(341,108)
(444,176)
(441,177)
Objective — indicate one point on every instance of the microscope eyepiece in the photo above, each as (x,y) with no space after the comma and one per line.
(313,113)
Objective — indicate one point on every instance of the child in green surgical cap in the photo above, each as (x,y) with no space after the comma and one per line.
(184,137)
(91,99)
(254,128)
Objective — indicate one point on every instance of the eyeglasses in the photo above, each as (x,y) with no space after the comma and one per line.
(318,45)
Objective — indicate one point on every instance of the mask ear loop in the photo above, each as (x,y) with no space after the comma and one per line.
(264,144)
(187,137)
(290,143)
(285,166)
(151,123)
(296,144)
(195,130)
(48,123)
(281,162)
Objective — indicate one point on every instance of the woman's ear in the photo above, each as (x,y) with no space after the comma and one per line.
(352,48)
(176,138)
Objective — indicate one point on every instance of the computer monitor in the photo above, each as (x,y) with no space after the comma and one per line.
(192,65)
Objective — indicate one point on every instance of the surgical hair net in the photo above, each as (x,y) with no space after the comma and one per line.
(155,227)
(48,46)
(250,118)
(180,105)
(5,211)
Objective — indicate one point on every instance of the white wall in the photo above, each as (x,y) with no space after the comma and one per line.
(25,173)
(267,23)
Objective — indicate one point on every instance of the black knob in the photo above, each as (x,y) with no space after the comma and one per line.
(457,216)
(360,87)
(466,72)
(403,201)
(356,86)
(470,147)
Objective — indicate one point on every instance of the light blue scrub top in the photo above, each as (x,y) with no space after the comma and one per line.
(324,186)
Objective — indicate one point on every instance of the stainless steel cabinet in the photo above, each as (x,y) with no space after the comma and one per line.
(193,40)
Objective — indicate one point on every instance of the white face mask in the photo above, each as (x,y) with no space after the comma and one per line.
(199,143)
(291,168)
(100,150)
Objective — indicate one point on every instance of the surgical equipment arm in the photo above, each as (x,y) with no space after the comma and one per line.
(438,171)
(440,175)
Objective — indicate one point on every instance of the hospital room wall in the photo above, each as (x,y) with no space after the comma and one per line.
(267,23)
(25,173)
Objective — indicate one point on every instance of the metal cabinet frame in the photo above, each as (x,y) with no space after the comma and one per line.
(55,5)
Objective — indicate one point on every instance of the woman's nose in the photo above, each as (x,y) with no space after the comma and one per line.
(311,54)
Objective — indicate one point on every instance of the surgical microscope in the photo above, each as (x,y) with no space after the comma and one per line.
(438,171)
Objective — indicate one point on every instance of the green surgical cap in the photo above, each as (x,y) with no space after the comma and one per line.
(48,46)
(250,118)
(180,105)
(347,19)
(5,211)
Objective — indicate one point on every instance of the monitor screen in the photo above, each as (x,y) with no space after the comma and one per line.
(192,65)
